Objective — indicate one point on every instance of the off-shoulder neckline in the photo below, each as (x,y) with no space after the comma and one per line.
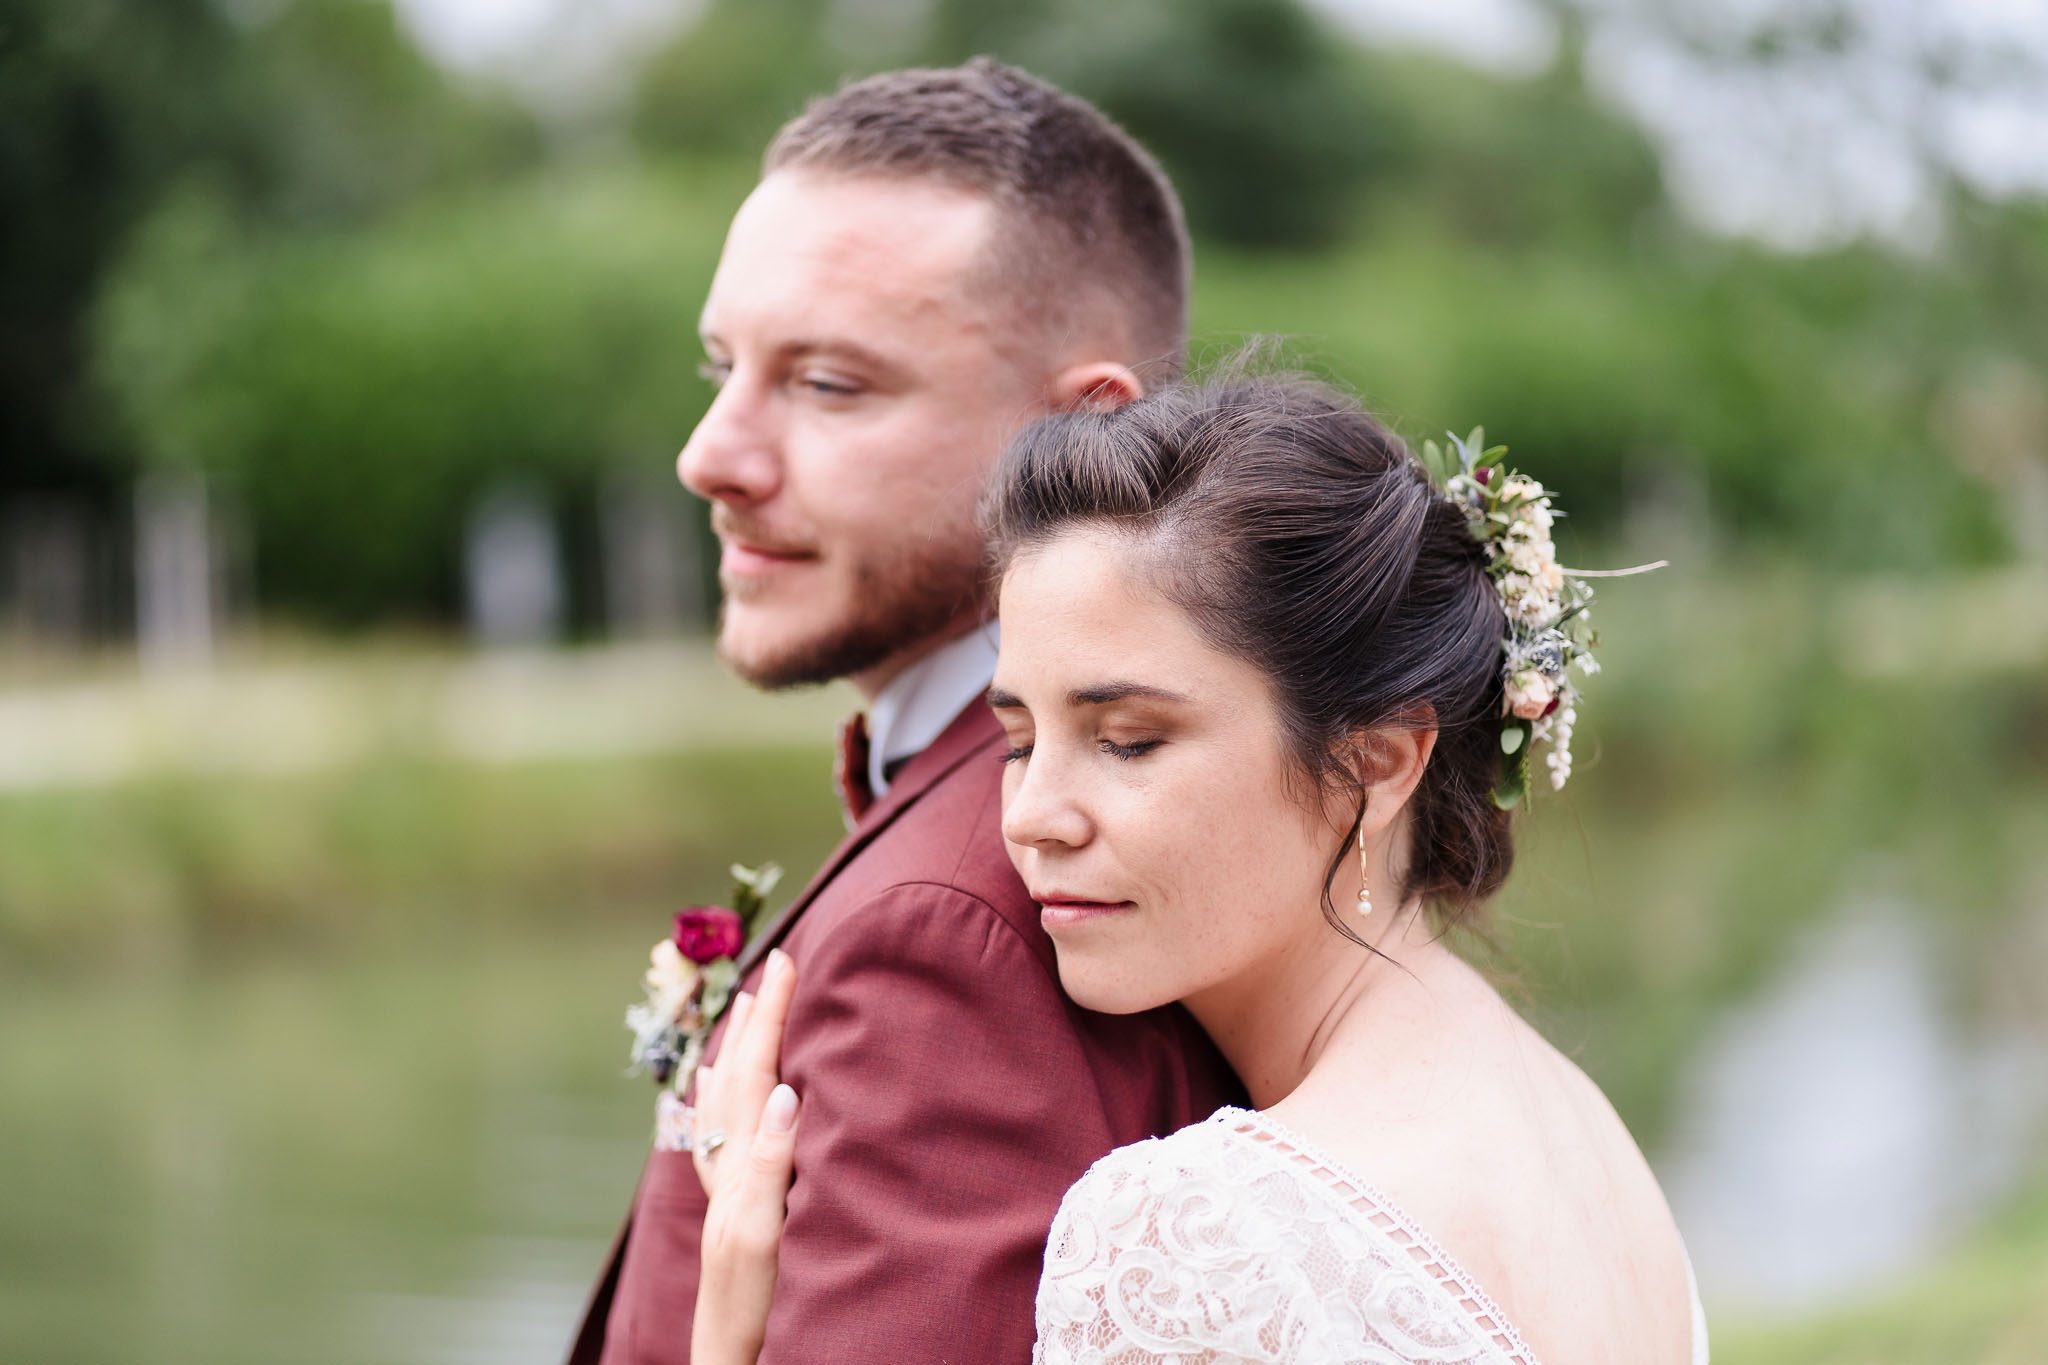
(1305,1156)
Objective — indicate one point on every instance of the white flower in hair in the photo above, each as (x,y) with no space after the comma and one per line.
(1526,602)
(1529,694)
(1532,557)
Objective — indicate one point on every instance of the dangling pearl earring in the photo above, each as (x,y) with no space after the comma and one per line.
(1364,893)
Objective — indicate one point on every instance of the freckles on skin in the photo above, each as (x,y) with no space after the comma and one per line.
(1203,832)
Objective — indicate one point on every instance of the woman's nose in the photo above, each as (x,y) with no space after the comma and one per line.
(1041,807)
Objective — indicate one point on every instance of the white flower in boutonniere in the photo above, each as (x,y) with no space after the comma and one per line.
(689,981)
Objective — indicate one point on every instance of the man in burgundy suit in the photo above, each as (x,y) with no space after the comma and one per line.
(931,259)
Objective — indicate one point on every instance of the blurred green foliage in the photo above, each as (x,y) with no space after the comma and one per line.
(289,250)
(321,116)
(357,389)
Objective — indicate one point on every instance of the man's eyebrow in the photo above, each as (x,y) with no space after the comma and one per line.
(840,346)
(1000,700)
(798,347)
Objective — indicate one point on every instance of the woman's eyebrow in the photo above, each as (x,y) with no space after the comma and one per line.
(1101,694)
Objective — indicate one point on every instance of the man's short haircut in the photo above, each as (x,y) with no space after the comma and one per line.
(1090,225)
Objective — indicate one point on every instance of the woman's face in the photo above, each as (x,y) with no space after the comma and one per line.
(1147,802)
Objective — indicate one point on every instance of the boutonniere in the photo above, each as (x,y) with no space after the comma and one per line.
(690,980)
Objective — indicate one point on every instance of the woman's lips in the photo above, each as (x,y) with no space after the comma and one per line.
(1058,913)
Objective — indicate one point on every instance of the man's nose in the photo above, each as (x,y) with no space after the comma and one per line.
(734,455)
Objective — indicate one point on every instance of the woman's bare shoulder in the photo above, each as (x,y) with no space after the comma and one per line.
(1514,1162)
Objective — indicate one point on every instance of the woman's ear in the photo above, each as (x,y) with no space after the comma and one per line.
(1389,762)
(1101,385)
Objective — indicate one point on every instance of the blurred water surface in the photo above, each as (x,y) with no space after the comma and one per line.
(320,1061)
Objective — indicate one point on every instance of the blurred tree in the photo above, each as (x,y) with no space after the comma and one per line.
(728,81)
(320,114)
(100,105)
(1509,164)
(366,311)
(1252,105)
(360,392)
(356,122)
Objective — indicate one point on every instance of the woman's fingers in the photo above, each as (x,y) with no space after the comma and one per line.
(733,1096)
(742,1238)
(761,1048)
(763,1189)
(742,1009)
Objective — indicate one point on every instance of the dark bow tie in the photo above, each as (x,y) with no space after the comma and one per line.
(850,770)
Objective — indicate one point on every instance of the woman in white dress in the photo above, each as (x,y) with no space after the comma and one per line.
(1271,691)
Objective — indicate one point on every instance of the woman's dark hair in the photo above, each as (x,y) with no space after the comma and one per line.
(1301,535)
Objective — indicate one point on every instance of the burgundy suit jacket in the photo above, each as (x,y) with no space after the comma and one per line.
(951,1094)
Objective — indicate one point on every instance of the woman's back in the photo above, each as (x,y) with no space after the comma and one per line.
(1435,1092)
(1232,1241)
(1443,1186)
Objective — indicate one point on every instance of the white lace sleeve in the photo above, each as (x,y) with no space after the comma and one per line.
(1205,1247)
(1115,1286)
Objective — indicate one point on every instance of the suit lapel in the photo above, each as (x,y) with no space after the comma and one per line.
(972,732)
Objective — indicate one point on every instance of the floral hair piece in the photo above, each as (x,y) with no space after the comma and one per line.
(1546,605)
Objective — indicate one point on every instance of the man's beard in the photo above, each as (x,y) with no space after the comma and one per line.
(894,605)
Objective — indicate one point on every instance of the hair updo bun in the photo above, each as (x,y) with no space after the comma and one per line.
(1301,535)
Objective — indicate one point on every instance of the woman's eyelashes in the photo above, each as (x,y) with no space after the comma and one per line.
(1137,748)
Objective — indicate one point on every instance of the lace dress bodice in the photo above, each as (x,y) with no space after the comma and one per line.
(1233,1240)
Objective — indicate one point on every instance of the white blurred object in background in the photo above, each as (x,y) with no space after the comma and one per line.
(514,570)
(178,573)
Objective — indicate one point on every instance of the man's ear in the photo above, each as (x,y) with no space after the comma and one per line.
(1102,385)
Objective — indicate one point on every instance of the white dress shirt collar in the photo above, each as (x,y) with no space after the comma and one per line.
(915,707)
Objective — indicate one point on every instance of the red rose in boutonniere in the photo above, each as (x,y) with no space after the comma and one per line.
(690,979)
(705,933)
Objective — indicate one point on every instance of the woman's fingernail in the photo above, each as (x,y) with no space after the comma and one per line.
(780,1115)
(778,961)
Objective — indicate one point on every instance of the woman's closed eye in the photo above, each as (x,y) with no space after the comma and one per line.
(1134,749)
